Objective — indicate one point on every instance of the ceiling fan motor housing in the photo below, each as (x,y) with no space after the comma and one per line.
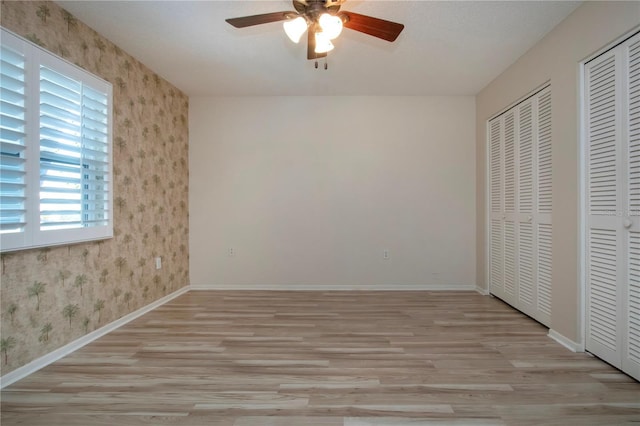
(314,8)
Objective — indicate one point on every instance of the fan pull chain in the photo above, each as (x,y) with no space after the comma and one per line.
(326,66)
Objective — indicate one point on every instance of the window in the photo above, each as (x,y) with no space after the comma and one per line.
(55,150)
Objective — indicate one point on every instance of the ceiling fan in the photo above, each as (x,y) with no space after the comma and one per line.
(323,21)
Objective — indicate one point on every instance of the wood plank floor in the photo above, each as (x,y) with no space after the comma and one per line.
(228,358)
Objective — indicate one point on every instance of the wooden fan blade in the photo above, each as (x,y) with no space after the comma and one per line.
(311,45)
(380,28)
(248,21)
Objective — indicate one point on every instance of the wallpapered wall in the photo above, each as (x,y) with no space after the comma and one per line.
(52,296)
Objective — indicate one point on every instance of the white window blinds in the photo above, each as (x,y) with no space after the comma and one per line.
(12,140)
(73,153)
(56,150)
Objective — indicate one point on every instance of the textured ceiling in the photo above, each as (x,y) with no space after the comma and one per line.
(446,48)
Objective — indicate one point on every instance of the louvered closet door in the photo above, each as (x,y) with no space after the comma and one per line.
(543,206)
(521,203)
(520,223)
(526,196)
(603,239)
(631,85)
(496,219)
(534,206)
(613,194)
(510,222)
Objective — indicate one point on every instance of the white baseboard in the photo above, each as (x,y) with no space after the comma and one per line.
(334,287)
(566,342)
(482,291)
(55,355)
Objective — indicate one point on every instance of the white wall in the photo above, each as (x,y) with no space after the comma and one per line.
(555,58)
(309,191)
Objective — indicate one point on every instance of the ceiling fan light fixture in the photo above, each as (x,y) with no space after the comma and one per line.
(331,25)
(323,43)
(323,21)
(295,28)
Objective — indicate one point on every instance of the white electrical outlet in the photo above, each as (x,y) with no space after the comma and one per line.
(385,254)
(158,262)
(232,252)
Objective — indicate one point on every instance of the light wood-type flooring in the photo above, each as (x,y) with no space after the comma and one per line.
(225,358)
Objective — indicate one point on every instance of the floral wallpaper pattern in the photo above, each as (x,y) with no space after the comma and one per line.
(52,296)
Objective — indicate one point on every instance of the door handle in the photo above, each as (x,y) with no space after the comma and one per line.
(529,218)
(627,223)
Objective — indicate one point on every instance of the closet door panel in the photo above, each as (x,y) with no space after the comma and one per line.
(544,205)
(510,207)
(526,237)
(631,356)
(604,239)
(496,231)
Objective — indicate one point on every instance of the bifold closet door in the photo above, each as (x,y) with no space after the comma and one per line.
(526,238)
(543,207)
(534,205)
(496,218)
(631,361)
(520,222)
(612,83)
(510,217)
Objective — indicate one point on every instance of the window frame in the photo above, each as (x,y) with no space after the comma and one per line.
(32,236)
